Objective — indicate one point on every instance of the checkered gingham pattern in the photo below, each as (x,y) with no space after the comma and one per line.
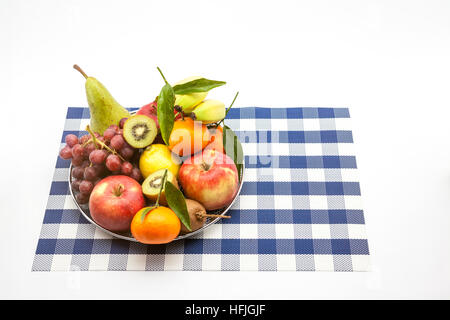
(299,208)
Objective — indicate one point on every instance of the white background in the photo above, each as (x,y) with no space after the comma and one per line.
(388,61)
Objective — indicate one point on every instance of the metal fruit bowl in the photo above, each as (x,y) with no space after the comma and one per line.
(84,208)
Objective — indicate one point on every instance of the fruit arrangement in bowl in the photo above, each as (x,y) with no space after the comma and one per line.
(162,173)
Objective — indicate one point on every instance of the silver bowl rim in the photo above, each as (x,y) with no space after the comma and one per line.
(179,237)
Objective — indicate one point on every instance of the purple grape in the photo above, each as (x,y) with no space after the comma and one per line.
(82,198)
(136,174)
(78,172)
(71,140)
(113,162)
(126,144)
(76,185)
(122,122)
(88,149)
(98,156)
(66,153)
(109,134)
(114,127)
(85,164)
(84,138)
(77,151)
(127,152)
(86,187)
(101,139)
(90,173)
(126,169)
(100,169)
(77,161)
(117,142)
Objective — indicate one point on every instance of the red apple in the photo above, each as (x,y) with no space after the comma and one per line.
(151,110)
(114,201)
(209,177)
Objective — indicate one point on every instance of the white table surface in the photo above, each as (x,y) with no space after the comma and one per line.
(388,61)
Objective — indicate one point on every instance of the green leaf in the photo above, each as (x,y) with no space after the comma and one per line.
(233,148)
(166,117)
(198,85)
(177,203)
(146,210)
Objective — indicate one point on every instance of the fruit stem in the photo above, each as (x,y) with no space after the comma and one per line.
(214,215)
(162,75)
(205,166)
(98,142)
(181,113)
(76,67)
(161,187)
(226,112)
(118,190)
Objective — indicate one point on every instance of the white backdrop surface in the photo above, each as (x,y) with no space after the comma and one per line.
(388,61)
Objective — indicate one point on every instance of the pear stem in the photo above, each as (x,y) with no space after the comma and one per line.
(76,67)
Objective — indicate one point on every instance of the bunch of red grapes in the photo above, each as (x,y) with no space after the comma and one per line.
(109,155)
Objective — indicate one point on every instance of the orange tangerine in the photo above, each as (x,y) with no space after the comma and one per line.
(160,225)
(188,137)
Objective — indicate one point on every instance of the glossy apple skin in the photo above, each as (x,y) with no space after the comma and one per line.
(211,178)
(114,201)
(151,110)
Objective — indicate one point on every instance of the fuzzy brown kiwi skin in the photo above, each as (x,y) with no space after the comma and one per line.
(196,214)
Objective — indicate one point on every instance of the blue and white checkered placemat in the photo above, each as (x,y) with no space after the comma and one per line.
(299,208)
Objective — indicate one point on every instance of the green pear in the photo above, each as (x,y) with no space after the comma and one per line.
(104,109)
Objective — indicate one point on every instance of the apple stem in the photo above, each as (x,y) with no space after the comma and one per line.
(119,190)
(76,67)
(206,166)
(161,188)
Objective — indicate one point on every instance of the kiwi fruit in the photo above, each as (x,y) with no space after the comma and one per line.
(152,185)
(139,131)
(197,216)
